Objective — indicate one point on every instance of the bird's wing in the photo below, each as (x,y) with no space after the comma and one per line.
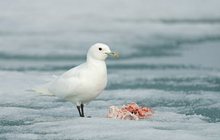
(68,83)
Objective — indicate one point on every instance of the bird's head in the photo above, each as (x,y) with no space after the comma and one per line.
(100,51)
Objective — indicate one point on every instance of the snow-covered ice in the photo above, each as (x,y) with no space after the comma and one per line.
(169,61)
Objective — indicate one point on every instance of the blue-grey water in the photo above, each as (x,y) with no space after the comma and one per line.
(170,61)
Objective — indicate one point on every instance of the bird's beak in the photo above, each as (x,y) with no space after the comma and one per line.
(113,54)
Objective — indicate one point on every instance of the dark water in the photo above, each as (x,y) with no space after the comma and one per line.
(169,61)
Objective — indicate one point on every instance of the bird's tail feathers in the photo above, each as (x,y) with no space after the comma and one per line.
(42,90)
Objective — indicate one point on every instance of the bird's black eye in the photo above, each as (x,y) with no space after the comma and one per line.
(100,49)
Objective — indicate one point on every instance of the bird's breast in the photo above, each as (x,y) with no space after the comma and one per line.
(95,82)
(92,87)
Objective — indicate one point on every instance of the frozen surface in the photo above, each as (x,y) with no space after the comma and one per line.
(169,62)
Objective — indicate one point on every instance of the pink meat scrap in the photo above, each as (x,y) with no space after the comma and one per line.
(130,111)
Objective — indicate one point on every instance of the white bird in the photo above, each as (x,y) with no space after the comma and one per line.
(82,83)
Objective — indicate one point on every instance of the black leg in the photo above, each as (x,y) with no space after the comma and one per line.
(80,114)
(82,109)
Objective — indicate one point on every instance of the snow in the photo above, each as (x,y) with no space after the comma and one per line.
(26,115)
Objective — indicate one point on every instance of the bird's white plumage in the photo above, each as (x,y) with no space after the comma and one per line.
(83,83)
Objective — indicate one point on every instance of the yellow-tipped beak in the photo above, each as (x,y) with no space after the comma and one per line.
(113,54)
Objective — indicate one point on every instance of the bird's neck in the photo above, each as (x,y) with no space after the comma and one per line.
(95,63)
